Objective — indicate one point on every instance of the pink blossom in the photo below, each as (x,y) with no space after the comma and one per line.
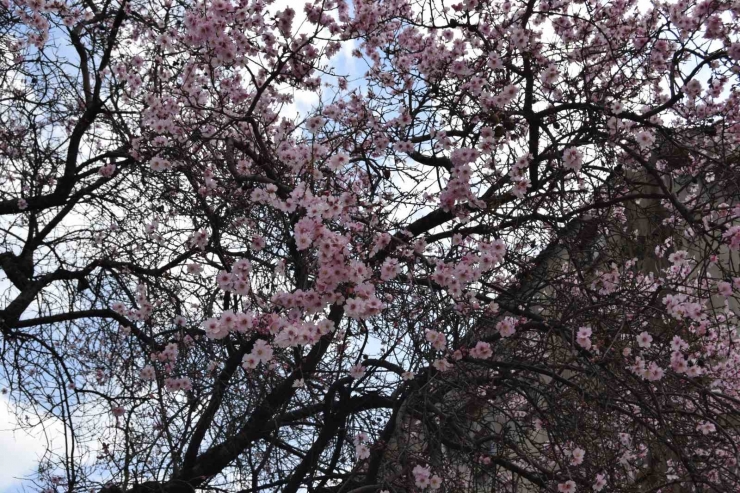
(357,371)
(599,483)
(506,327)
(644,340)
(572,159)
(435,482)
(482,350)
(706,427)
(422,476)
(215,329)
(249,361)
(437,339)
(567,487)
(147,373)
(724,288)
(362,451)
(645,139)
(577,456)
(314,124)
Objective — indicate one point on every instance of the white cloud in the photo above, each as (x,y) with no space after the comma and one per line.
(19,451)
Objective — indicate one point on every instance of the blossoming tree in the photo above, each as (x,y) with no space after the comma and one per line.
(499,252)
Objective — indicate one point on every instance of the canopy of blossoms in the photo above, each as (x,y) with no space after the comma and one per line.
(372,245)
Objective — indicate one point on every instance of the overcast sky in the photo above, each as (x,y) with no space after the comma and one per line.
(19,452)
